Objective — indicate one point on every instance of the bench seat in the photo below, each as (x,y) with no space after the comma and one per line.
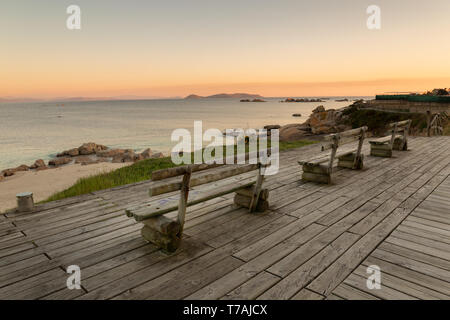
(326,158)
(384,140)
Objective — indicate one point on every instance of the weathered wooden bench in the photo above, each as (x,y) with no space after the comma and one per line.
(319,169)
(397,140)
(164,227)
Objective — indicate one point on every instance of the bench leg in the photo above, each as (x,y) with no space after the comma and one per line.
(400,144)
(383,150)
(167,242)
(316,173)
(348,161)
(243,198)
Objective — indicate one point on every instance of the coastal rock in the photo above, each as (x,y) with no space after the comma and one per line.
(319,109)
(1,177)
(42,168)
(71,153)
(293,132)
(111,153)
(138,157)
(90,148)
(127,156)
(84,160)
(117,158)
(8,172)
(146,154)
(157,155)
(38,164)
(22,167)
(59,161)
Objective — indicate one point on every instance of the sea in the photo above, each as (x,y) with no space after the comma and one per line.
(40,130)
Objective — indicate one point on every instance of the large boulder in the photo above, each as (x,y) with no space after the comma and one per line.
(59,161)
(110,153)
(8,172)
(293,132)
(22,167)
(127,156)
(146,154)
(38,164)
(90,148)
(323,122)
(319,109)
(71,153)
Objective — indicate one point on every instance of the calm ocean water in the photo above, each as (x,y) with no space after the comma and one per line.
(29,131)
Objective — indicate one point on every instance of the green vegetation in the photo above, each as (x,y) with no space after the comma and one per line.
(377,121)
(136,172)
(447,129)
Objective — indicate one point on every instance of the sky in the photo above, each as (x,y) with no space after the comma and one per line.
(178,47)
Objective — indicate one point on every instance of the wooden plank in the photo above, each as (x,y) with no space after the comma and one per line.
(350,293)
(251,289)
(300,277)
(306,294)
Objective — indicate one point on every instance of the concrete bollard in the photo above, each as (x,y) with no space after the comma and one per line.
(25,202)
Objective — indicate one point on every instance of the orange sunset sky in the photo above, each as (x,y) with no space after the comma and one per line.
(175,48)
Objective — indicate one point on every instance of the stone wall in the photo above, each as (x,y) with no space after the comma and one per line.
(408,106)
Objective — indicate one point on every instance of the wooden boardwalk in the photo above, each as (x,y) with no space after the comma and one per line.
(315,242)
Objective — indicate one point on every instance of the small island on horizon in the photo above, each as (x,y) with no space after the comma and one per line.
(225,96)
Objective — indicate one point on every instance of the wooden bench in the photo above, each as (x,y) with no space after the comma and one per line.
(397,140)
(163,226)
(319,169)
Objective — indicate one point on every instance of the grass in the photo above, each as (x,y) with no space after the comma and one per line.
(136,172)
(447,129)
(376,121)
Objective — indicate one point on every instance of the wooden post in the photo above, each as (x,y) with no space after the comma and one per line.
(428,123)
(25,202)
(360,144)
(333,152)
(257,190)
(184,193)
(405,136)
(394,132)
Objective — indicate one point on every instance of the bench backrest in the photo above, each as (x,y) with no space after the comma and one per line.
(337,139)
(401,126)
(168,184)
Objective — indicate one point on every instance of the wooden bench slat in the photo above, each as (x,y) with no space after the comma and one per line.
(383,140)
(166,187)
(216,190)
(326,158)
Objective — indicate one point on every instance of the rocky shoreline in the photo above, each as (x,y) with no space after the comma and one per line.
(86,154)
(320,122)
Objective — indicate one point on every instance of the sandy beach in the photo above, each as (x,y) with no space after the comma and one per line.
(47,182)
